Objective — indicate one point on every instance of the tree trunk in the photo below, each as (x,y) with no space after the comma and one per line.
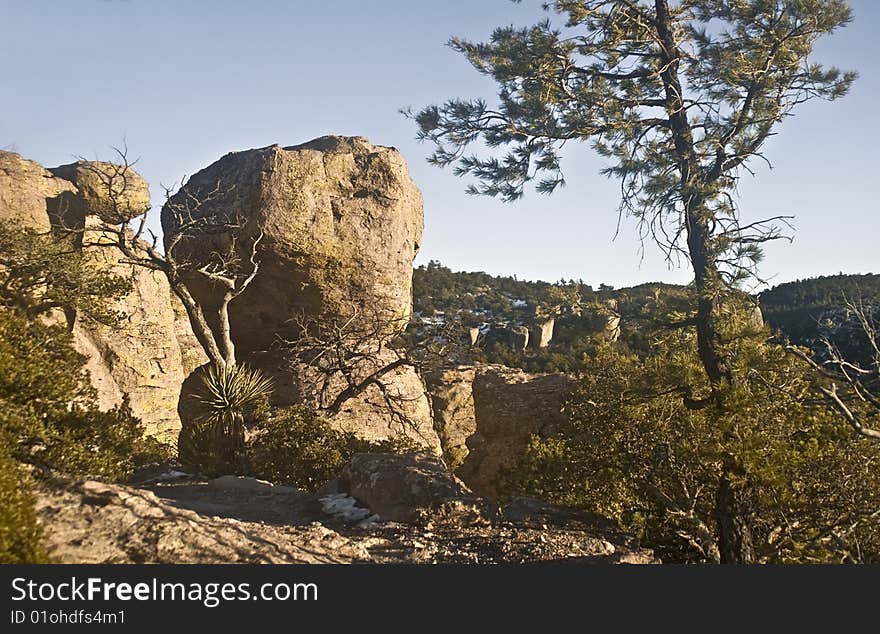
(697,216)
(707,284)
(197,320)
(734,509)
(226,345)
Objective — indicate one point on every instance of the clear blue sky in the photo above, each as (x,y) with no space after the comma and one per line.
(185,82)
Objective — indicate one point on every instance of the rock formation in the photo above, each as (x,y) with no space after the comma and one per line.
(28,192)
(486,415)
(611,330)
(509,407)
(340,221)
(144,358)
(541,334)
(452,402)
(412,488)
(518,336)
(473,335)
(109,192)
(96,523)
(756,317)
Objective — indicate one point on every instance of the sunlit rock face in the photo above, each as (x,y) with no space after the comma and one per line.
(144,358)
(339,221)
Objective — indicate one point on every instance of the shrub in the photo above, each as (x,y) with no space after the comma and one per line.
(633,451)
(227,402)
(40,272)
(20,533)
(48,410)
(298,447)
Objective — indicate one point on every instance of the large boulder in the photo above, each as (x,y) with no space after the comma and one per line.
(113,193)
(487,414)
(29,193)
(149,355)
(340,222)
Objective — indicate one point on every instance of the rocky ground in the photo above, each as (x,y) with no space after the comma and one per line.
(235,520)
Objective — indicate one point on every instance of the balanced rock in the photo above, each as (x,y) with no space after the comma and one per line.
(339,222)
(113,193)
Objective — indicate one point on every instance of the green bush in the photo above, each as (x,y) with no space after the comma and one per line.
(633,451)
(40,272)
(297,447)
(48,410)
(20,533)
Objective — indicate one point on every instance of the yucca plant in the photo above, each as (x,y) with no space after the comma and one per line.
(230,399)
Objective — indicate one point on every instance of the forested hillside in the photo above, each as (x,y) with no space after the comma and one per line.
(796,307)
(802,311)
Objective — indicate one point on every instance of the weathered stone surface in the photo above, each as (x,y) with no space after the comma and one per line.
(113,193)
(509,407)
(91,522)
(486,415)
(141,359)
(189,521)
(541,334)
(28,192)
(368,415)
(452,403)
(340,221)
(410,488)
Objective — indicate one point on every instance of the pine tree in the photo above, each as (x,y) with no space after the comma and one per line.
(679,97)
